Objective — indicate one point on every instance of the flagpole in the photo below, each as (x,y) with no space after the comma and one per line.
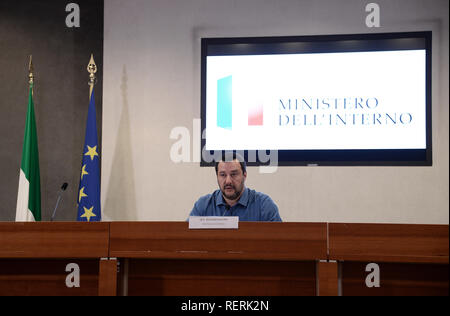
(92,69)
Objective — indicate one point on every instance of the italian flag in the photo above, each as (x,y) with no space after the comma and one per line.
(29,193)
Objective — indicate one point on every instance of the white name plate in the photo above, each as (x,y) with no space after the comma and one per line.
(213,222)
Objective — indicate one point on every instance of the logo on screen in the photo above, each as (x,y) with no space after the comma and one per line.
(225,106)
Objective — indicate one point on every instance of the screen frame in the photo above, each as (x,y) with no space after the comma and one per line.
(324,44)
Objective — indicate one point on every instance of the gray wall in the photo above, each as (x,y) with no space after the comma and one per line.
(152,85)
(61,95)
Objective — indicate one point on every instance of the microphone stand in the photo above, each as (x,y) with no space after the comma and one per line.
(63,188)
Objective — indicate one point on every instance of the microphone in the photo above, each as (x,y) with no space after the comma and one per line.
(63,188)
(227,208)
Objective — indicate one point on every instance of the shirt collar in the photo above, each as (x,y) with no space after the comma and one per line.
(243,200)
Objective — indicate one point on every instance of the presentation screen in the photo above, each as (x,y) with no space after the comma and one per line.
(362,99)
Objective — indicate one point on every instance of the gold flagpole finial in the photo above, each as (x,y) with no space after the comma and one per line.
(92,69)
(30,70)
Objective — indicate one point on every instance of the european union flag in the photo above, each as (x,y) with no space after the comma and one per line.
(89,189)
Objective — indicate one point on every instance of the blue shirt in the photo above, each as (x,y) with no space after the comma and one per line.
(252,206)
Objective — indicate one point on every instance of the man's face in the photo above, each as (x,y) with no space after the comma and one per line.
(231,179)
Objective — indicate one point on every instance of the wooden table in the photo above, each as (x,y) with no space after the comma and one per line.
(166,258)
(412,259)
(34,257)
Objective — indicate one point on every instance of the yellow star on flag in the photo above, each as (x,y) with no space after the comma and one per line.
(88,213)
(83,171)
(81,195)
(92,152)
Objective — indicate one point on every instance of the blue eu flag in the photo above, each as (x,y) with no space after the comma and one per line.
(89,189)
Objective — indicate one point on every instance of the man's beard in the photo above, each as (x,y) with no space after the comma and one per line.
(232,196)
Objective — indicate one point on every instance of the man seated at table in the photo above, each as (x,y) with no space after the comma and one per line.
(233,198)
